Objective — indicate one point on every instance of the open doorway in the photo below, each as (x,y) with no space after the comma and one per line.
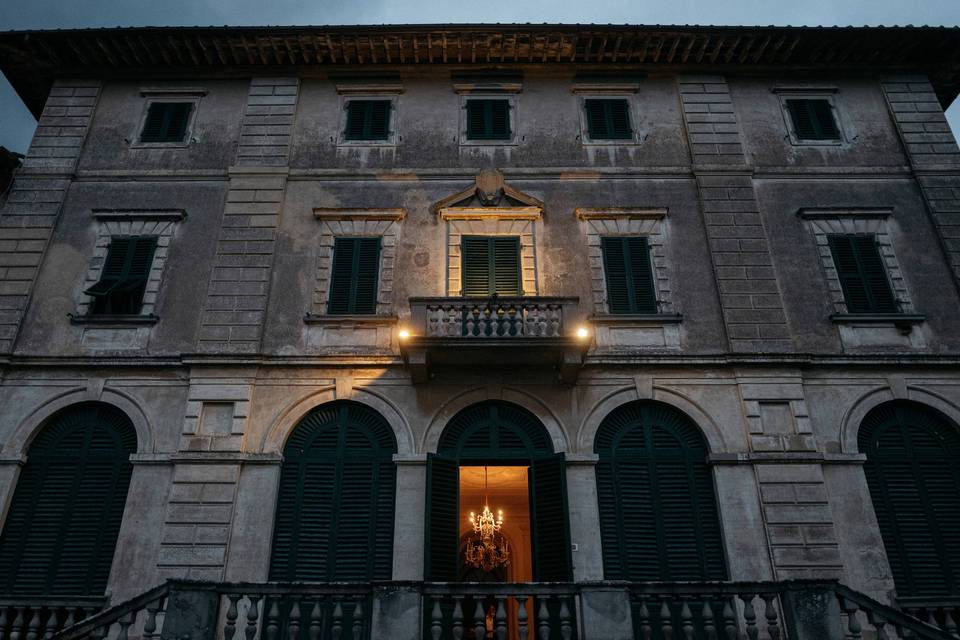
(505,490)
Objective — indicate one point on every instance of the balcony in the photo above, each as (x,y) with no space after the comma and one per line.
(446,333)
(788,610)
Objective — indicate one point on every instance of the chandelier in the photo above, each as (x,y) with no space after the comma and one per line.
(487,549)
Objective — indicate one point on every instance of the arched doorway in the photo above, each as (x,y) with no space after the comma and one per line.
(913,472)
(335,505)
(658,511)
(497,434)
(62,527)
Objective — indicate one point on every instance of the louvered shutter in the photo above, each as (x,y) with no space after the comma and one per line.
(166,122)
(608,119)
(490,265)
(862,275)
(334,517)
(488,119)
(813,119)
(658,514)
(354,276)
(368,120)
(913,474)
(123,279)
(552,561)
(64,519)
(443,513)
(628,273)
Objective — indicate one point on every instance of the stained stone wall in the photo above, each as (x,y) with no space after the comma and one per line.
(745,347)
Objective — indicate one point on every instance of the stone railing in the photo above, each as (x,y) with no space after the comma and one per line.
(492,318)
(498,611)
(790,610)
(41,617)
(943,613)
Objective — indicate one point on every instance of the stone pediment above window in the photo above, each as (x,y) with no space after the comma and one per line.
(489,197)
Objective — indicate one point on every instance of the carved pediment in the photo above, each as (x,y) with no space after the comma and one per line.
(489,196)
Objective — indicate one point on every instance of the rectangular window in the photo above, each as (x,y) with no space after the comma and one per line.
(368,120)
(813,119)
(626,264)
(123,279)
(166,122)
(354,276)
(490,265)
(863,278)
(608,119)
(488,119)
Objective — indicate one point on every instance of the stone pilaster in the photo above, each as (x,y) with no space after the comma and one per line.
(749,293)
(933,153)
(33,206)
(237,294)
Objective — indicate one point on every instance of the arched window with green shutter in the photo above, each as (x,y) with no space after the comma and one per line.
(913,472)
(62,527)
(658,511)
(335,506)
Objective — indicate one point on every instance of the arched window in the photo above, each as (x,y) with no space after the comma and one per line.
(498,433)
(335,506)
(63,523)
(913,471)
(658,512)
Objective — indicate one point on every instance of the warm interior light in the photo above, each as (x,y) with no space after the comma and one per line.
(404,334)
(582,332)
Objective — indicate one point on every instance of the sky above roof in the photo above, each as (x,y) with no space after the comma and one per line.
(17,125)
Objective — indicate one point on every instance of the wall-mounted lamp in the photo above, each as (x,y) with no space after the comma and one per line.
(583,333)
(404,334)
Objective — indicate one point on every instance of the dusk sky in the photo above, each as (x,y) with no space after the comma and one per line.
(17,125)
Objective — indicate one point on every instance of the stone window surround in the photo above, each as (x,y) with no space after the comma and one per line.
(626,221)
(171,94)
(490,221)
(827,93)
(826,221)
(380,223)
(129,222)
(369,91)
(488,91)
(609,90)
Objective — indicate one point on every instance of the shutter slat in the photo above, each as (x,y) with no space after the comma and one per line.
(123,279)
(443,513)
(354,277)
(863,278)
(628,274)
(608,119)
(166,122)
(490,265)
(813,119)
(488,119)
(368,120)
(551,533)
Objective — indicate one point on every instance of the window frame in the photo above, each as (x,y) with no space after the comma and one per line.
(167,98)
(392,119)
(129,254)
(632,113)
(815,94)
(513,120)
(897,308)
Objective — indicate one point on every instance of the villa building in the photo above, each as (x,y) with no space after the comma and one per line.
(284,309)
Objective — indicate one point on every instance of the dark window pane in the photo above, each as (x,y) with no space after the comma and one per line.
(166,122)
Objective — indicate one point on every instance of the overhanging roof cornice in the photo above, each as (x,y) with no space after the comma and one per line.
(31,60)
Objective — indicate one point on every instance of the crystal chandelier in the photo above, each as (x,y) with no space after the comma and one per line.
(487,549)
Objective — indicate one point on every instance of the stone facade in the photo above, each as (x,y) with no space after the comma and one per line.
(744,343)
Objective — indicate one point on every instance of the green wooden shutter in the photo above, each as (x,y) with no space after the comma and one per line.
(490,265)
(552,561)
(166,122)
(335,505)
(658,513)
(813,119)
(608,119)
(628,273)
(62,527)
(368,120)
(488,119)
(354,276)
(862,275)
(913,473)
(123,279)
(443,513)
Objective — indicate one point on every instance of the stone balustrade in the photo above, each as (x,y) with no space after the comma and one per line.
(191,610)
(493,318)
